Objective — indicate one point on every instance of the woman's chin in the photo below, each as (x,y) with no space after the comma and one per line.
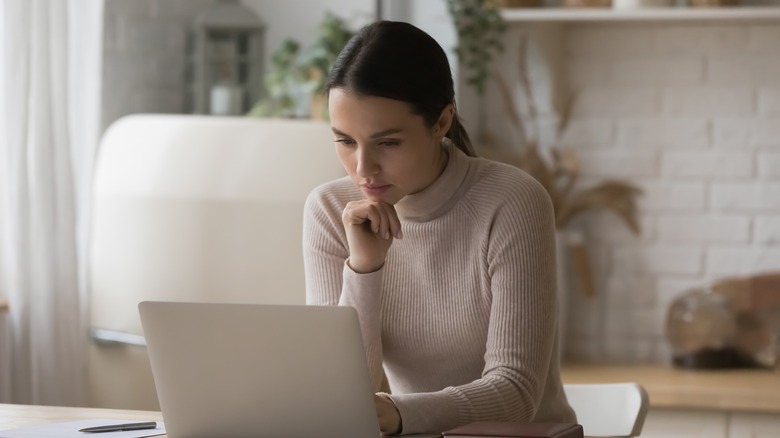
(385,196)
(392,200)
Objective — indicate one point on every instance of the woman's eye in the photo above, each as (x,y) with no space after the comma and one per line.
(345,141)
(389,143)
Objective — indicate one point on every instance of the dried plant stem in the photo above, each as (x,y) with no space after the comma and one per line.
(559,178)
(506,98)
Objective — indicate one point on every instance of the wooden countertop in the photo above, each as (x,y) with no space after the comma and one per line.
(669,387)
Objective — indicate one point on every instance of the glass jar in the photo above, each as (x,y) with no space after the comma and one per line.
(702,331)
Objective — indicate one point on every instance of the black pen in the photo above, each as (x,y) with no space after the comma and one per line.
(120,427)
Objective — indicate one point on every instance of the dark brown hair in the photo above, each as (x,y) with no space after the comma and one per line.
(399,61)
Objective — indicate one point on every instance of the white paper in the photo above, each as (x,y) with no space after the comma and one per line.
(71,430)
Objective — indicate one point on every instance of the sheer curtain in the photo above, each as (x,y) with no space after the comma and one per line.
(50,71)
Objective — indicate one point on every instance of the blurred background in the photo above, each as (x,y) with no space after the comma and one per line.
(654,125)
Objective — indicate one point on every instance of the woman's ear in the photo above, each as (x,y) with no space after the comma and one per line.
(445,121)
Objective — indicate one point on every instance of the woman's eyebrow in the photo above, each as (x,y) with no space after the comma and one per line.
(379,134)
(338,132)
(386,132)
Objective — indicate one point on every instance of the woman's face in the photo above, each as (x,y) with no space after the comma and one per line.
(387,150)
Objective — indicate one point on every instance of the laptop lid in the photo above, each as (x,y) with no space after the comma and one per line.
(252,370)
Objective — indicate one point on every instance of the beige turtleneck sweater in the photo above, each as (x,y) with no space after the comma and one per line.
(463,314)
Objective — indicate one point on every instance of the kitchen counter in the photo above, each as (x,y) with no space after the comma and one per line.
(672,388)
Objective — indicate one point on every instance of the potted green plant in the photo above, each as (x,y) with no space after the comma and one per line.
(480,30)
(297,77)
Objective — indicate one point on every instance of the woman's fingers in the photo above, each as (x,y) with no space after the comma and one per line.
(374,218)
(394,221)
(380,217)
(384,221)
(391,225)
(357,213)
(370,228)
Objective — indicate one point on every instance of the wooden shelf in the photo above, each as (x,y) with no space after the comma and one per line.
(520,15)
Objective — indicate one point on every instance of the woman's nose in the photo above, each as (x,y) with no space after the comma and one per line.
(366,163)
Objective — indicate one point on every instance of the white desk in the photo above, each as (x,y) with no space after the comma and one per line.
(13,416)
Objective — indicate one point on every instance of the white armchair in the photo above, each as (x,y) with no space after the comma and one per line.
(191,208)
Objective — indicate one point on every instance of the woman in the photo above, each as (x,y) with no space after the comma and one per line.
(449,259)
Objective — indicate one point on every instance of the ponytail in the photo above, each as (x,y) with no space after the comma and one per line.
(457,133)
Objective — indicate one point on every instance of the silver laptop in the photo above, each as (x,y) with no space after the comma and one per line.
(249,370)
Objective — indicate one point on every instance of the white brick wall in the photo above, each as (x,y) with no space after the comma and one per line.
(617,101)
(590,132)
(707,101)
(660,258)
(764,38)
(691,114)
(666,132)
(700,40)
(751,197)
(704,228)
(658,69)
(672,196)
(619,162)
(767,230)
(709,164)
(738,260)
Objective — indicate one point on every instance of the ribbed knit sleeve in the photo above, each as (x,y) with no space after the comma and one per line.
(324,251)
(330,281)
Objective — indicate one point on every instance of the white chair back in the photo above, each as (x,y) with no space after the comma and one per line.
(609,409)
(194,208)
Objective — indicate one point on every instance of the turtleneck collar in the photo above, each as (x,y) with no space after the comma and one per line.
(439,197)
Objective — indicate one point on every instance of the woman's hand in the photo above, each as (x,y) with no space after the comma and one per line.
(389,418)
(371,227)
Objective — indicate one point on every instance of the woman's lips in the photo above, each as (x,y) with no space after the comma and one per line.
(375,190)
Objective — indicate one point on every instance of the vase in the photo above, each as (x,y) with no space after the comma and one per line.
(573,272)
(225,100)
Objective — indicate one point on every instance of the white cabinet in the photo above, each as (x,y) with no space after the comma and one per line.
(753,425)
(689,423)
(676,423)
